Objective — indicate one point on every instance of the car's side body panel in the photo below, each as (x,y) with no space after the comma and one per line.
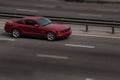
(60,30)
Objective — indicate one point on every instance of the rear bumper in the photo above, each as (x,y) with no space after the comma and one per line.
(63,35)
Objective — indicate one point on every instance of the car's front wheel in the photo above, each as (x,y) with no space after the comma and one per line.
(16,33)
(51,36)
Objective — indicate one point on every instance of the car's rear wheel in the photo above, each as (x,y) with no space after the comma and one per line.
(16,33)
(51,36)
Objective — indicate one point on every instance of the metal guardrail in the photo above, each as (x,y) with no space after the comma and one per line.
(86,22)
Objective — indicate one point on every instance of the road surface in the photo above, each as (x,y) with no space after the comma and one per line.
(62,9)
(80,57)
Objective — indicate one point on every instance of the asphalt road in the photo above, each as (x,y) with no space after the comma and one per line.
(77,58)
(62,9)
(77,29)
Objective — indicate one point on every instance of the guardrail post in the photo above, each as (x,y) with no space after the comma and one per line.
(113,30)
(86,28)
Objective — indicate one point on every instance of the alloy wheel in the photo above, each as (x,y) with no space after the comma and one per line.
(15,33)
(51,36)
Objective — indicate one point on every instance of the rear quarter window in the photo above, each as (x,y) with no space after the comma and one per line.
(19,22)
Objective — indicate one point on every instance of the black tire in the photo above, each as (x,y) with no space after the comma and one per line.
(16,33)
(50,36)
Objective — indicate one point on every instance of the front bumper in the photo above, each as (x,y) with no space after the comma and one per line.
(64,35)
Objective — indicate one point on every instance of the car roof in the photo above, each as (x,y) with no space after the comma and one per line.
(33,17)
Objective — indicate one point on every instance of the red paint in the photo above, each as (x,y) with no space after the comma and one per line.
(60,30)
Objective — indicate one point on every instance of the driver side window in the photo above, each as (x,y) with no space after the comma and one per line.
(30,22)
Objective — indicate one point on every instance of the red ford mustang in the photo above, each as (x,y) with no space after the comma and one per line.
(37,26)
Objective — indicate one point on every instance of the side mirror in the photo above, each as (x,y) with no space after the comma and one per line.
(36,25)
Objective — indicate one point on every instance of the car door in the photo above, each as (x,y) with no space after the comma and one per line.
(40,30)
(29,27)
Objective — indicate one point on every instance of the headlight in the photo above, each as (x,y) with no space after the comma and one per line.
(58,32)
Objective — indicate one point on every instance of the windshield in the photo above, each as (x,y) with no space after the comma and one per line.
(44,21)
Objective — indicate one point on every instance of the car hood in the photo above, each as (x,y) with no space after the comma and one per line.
(57,26)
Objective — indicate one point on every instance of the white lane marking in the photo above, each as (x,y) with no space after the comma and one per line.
(84,46)
(110,10)
(7,39)
(89,79)
(27,10)
(93,15)
(97,36)
(53,56)
(46,6)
